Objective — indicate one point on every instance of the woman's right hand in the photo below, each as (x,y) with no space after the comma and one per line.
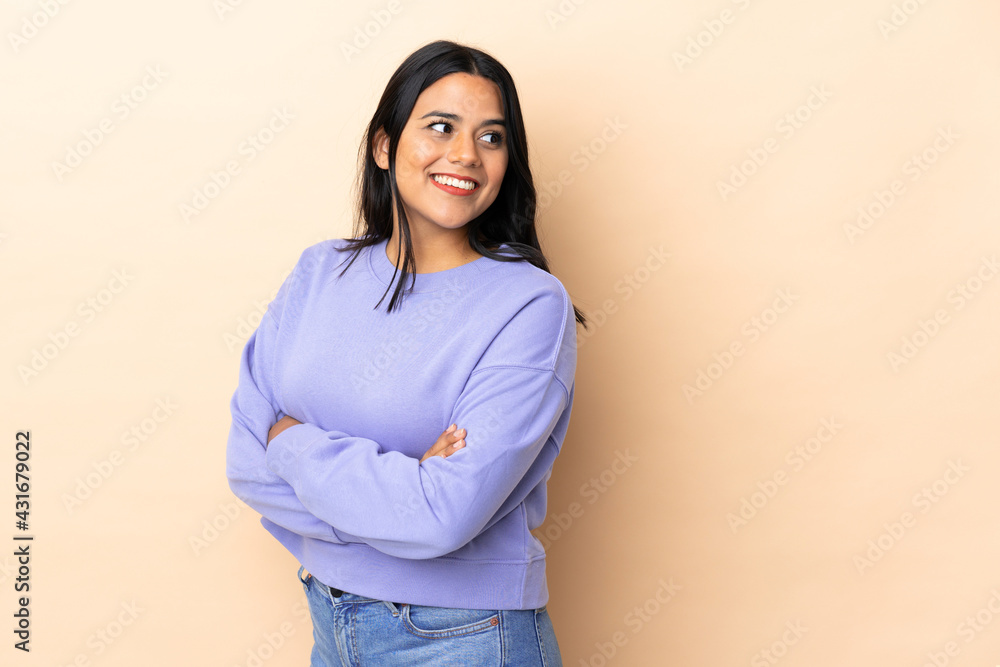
(449,442)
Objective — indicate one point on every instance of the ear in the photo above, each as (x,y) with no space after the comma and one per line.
(380,149)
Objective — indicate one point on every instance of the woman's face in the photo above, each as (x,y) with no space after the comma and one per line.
(455,130)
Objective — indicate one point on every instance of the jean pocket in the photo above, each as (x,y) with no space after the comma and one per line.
(431,622)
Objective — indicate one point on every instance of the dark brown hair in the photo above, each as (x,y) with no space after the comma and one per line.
(509,220)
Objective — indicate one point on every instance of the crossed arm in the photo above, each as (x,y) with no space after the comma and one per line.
(289,471)
(449,442)
(334,486)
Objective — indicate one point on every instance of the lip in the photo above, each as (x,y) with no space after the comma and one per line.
(453,190)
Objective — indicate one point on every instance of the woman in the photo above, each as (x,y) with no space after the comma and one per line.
(417,555)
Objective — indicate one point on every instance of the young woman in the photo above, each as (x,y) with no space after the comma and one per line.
(417,555)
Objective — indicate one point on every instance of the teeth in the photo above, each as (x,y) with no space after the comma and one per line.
(454,182)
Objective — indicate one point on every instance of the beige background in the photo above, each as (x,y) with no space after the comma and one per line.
(836,560)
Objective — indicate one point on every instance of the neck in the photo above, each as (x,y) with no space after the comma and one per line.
(430,256)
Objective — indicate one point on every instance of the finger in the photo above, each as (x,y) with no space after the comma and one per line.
(453,448)
(437,448)
(448,450)
(445,442)
(444,450)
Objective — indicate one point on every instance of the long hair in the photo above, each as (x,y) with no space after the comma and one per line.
(510,219)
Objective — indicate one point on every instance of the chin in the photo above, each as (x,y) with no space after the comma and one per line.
(454,223)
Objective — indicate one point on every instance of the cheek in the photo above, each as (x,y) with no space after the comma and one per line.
(418,154)
(498,171)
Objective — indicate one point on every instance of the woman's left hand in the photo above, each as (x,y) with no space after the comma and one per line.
(283,423)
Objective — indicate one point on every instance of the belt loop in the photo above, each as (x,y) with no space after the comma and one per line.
(392,607)
(302,569)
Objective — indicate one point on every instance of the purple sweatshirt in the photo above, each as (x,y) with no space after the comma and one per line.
(489,345)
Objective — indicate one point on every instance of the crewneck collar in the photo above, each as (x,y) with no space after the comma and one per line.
(458,276)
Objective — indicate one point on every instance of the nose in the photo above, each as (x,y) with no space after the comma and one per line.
(463,150)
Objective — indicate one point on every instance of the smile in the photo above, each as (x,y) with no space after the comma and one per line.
(454,185)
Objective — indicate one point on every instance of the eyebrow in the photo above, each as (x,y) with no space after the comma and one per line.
(451,116)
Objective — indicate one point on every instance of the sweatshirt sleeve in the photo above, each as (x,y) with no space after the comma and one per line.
(254,411)
(515,414)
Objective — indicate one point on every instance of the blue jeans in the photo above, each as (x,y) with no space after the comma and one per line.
(352,630)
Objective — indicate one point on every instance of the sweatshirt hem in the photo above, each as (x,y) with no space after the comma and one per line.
(458,583)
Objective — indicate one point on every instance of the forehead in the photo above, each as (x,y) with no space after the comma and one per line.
(462,94)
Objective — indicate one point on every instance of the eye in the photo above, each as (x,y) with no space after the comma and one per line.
(497,138)
(439,124)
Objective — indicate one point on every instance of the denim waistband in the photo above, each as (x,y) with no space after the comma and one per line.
(343,597)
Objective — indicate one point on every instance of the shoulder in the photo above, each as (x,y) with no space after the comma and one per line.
(520,271)
(321,253)
(535,293)
(539,324)
(313,268)
(320,259)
